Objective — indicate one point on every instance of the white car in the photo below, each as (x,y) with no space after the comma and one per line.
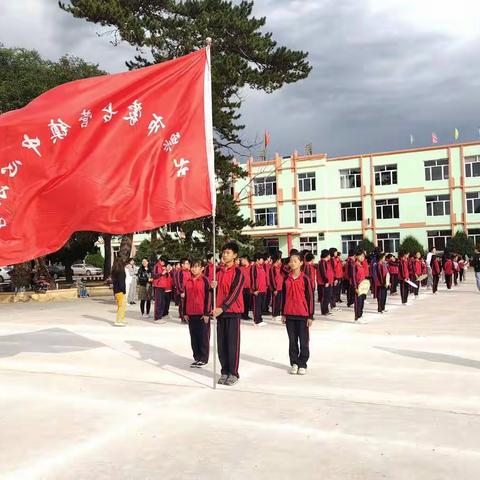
(5,274)
(85,269)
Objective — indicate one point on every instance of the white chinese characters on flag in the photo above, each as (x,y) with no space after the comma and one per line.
(117,154)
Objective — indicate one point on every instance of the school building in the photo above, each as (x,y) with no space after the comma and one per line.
(315,202)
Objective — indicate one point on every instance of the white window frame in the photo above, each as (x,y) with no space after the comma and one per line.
(473,202)
(309,243)
(307,213)
(350,178)
(472,166)
(474,234)
(346,206)
(265,186)
(436,236)
(386,174)
(389,242)
(269,214)
(438,165)
(307,182)
(349,242)
(433,202)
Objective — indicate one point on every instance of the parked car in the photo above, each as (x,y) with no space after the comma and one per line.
(56,270)
(5,274)
(85,269)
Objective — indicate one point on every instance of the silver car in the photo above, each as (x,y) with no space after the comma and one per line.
(5,274)
(85,269)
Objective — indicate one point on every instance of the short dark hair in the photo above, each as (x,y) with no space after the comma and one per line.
(309,257)
(276,257)
(325,253)
(164,259)
(198,262)
(359,251)
(233,246)
(210,256)
(293,251)
(351,252)
(332,251)
(258,256)
(184,260)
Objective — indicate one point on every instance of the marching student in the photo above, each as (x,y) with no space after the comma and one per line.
(403,276)
(228,311)
(276,282)
(309,268)
(119,290)
(160,282)
(380,282)
(210,267)
(461,268)
(168,291)
(349,267)
(267,265)
(245,268)
(455,269)
(182,277)
(197,308)
(392,265)
(424,272)
(435,269)
(174,275)
(338,275)
(297,315)
(448,271)
(333,293)
(258,286)
(325,281)
(358,276)
(416,272)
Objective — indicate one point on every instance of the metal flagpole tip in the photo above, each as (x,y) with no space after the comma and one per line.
(208,41)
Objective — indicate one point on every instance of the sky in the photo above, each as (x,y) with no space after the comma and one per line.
(382,69)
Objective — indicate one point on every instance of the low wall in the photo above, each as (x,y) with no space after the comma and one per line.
(54,295)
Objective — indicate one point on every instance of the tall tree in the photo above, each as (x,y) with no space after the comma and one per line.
(243,57)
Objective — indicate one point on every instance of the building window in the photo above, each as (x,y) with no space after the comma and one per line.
(438,239)
(386,175)
(308,213)
(309,243)
(350,242)
(388,242)
(388,208)
(351,211)
(436,169)
(266,216)
(321,236)
(307,182)
(265,186)
(473,202)
(271,245)
(350,178)
(438,205)
(472,166)
(474,234)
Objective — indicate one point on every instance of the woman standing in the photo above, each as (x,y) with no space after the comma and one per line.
(119,290)
(131,281)
(145,287)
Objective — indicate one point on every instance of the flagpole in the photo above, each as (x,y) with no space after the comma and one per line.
(208,42)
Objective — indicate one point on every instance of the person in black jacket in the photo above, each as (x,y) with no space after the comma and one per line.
(145,279)
(119,290)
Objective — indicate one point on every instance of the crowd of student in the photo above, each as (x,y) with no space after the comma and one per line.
(282,287)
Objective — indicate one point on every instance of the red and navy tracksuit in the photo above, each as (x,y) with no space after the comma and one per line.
(393,270)
(297,308)
(358,275)
(258,283)
(230,300)
(435,266)
(196,304)
(380,285)
(268,294)
(417,270)
(182,277)
(349,270)
(246,291)
(276,284)
(160,284)
(325,277)
(448,270)
(338,273)
(403,276)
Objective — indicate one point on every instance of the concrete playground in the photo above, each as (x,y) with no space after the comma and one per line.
(396,398)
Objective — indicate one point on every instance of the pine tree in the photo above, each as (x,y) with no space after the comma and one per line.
(242,57)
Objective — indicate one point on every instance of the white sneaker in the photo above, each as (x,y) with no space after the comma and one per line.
(261,324)
(302,371)
(361,321)
(294,369)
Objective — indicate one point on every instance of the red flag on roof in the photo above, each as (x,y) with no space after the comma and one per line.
(117,153)
(266,139)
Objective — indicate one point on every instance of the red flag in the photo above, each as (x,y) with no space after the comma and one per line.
(434,138)
(118,153)
(266,139)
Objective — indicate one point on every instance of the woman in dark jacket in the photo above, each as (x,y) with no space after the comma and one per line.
(119,290)
(145,287)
